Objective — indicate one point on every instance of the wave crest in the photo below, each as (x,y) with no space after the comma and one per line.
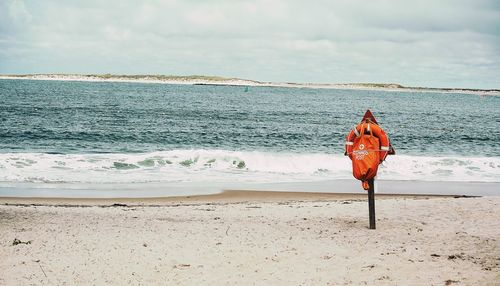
(225,166)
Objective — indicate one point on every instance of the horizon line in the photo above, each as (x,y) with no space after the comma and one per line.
(221,79)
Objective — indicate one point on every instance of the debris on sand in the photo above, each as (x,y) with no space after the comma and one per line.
(17,241)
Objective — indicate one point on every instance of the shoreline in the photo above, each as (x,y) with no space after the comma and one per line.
(220,81)
(225,197)
(213,190)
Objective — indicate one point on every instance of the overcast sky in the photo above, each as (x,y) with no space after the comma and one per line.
(445,43)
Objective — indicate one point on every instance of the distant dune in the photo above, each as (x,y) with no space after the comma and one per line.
(217,80)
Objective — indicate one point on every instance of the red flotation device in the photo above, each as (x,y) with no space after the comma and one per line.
(367,146)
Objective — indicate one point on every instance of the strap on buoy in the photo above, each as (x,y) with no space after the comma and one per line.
(356,131)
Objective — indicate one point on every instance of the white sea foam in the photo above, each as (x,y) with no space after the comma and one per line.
(231,166)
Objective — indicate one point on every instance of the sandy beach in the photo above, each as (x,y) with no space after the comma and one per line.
(250,238)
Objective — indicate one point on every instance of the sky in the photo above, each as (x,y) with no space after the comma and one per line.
(446,43)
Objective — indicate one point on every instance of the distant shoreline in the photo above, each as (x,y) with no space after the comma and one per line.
(215,80)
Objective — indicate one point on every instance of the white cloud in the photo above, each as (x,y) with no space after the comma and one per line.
(444,43)
(18,13)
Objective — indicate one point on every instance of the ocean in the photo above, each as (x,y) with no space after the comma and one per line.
(57,136)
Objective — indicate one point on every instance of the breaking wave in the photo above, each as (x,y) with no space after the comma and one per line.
(231,166)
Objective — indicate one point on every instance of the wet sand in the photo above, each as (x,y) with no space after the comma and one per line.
(230,196)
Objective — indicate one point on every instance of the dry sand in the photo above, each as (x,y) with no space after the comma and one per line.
(246,238)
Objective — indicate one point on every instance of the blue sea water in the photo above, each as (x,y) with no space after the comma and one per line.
(105,132)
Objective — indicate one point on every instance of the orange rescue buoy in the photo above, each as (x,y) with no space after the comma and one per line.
(375,130)
(367,146)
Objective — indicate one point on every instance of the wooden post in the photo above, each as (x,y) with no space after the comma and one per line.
(371,203)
